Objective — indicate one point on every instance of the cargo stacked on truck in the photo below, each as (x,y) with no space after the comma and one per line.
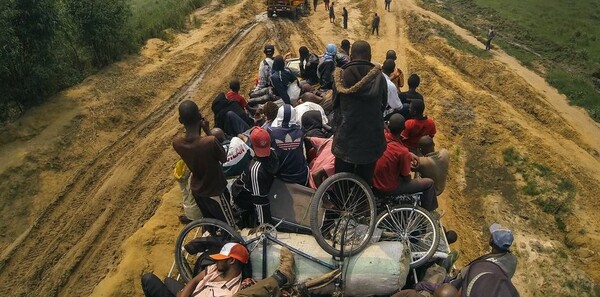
(291,8)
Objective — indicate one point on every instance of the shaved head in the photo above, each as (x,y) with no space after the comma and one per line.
(391,54)
(426,145)
(361,50)
(219,134)
(396,124)
(189,114)
(446,290)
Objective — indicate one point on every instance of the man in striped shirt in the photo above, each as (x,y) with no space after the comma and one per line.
(251,189)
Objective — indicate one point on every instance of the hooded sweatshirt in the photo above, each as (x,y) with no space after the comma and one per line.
(327,66)
(221,106)
(359,98)
(281,78)
(286,140)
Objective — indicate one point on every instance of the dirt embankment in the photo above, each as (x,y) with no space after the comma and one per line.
(80,174)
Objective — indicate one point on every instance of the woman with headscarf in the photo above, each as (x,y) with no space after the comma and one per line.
(286,140)
(281,78)
(327,66)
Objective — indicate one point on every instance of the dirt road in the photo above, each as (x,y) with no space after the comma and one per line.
(87,202)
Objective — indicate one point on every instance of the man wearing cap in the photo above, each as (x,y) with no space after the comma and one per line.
(264,69)
(251,189)
(501,239)
(220,279)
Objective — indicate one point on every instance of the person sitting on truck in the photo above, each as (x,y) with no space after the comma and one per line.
(238,153)
(308,66)
(286,140)
(250,190)
(393,169)
(264,69)
(281,78)
(418,126)
(397,77)
(234,93)
(327,66)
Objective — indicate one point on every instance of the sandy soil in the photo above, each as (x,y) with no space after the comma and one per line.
(87,199)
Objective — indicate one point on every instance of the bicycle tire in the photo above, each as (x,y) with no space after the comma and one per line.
(185,270)
(366,216)
(405,215)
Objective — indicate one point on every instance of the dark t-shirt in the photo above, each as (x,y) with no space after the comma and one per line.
(405,97)
(203,156)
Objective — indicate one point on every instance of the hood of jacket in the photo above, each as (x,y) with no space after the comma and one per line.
(355,75)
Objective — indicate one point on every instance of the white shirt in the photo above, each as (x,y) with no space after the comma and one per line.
(392,97)
(308,106)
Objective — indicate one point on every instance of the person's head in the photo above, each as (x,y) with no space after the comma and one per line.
(396,124)
(278,63)
(345,45)
(375,14)
(189,114)
(331,49)
(269,50)
(391,54)
(304,52)
(218,134)
(231,256)
(426,145)
(261,142)
(286,116)
(416,108)
(388,66)
(361,50)
(270,110)
(501,238)
(234,85)
(414,81)
(446,290)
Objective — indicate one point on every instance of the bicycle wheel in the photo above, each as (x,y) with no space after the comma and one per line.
(198,229)
(342,214)
(413,226)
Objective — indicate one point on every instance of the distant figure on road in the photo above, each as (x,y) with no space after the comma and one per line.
(375,25)
(491,35)
(331,13)
(345,17)
(387,4)
(326,5)
(315,2)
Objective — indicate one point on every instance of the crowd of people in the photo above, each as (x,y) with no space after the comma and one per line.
(338,112)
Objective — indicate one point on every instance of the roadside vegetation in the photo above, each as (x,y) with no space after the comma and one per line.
(559,39)
(49,45)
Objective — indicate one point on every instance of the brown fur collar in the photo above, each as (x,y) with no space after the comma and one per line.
(339,86)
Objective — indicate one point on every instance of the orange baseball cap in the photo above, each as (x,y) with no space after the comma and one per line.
(232,250)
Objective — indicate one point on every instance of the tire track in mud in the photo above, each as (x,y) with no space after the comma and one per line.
(74,227)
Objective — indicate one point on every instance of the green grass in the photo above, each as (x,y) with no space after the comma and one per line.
(561,36)
(151,17)
(457,42)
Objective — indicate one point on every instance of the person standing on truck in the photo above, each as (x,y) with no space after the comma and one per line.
(331,13)
(375,24)
(345,17)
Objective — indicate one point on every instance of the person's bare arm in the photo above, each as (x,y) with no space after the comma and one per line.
(319,177)
(191,285)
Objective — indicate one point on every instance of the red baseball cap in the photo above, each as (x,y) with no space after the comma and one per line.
(232,250)
(261,142)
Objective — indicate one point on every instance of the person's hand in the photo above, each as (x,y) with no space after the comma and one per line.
(287,55)
(414,161)
(205,124)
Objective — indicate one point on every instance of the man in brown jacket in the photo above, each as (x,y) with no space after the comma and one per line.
(359,99)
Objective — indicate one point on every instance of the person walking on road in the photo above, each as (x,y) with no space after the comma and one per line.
(387,4)
(331,13)
(491,35)
(345,17)
(326,5)
(375,27)
(315,2)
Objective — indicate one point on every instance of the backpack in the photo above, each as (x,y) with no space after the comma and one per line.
(485,278)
